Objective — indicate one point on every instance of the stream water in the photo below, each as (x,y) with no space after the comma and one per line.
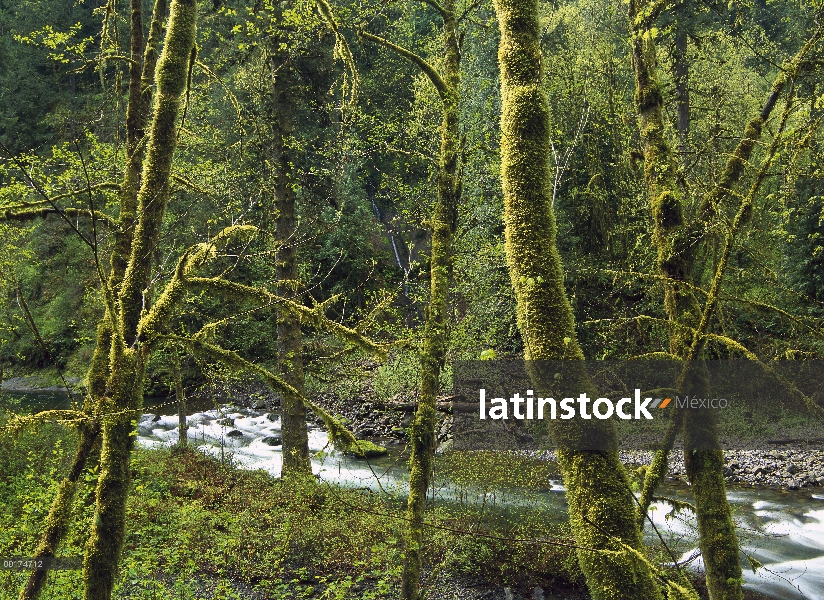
(783,531)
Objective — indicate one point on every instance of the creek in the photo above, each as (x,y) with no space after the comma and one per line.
(782,530)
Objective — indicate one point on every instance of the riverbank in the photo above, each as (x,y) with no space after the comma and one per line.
(199,527)
(791,465)
(46,382)
(791,462)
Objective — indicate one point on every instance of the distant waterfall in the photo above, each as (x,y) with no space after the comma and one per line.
(405,270)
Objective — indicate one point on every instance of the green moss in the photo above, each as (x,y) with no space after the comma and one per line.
(436,337)
(127,361)
(601,506)
(171,75)
(366,449)
(704,462)
(675,259)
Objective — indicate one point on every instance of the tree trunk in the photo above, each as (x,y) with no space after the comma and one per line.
(718,540)
(435,341)
(141,78)
(682,92)
(601,506)
(125,384)
(290,343)
(180,396)
(704,462)
(57,521)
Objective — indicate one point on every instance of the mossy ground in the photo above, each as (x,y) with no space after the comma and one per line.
(199,529)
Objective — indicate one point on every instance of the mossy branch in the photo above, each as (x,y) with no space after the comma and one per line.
(30,214)
(63,417)
(730,343)
(657,320)
(199,255)
(734,168)
(338,433)
(342,51)
(108,185)
(195,257)
(798,320)
(370,318)
(641,274)
(229,92)
(428,70)
(171,77)
(190,184)
(676,504)
(656,356)
(741,218)
(312,316)
(679,591)
(659,466)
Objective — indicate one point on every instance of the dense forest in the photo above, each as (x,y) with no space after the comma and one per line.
(248,247)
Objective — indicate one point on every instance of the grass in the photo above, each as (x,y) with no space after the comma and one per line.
(199,529)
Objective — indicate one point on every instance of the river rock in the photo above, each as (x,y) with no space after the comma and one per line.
(365,430)
(273,440)
(234,433)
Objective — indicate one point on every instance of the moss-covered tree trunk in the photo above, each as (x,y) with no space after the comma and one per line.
(141,79)
(423,437)
(127,359)
(58,519)
(601,506)
(703,456)
(669,230)
(682,76)
(290,343)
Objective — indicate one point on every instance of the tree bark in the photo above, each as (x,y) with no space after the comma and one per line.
(125,383)
(601,506)
(290,342)
(436,338)
(141,78)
